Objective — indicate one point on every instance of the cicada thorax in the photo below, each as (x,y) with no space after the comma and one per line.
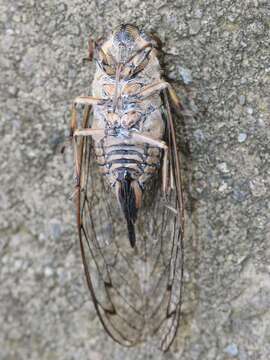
(117,152)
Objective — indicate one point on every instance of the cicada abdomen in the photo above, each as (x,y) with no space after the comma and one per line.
(128,134)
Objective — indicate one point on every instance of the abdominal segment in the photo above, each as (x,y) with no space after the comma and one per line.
(115,158)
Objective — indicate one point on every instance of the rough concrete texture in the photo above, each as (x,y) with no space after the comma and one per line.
(217,52)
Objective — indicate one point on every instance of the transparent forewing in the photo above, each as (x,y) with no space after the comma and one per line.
(136,291)
(108,258)
(176,261)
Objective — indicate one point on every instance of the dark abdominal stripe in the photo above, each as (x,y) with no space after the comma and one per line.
(122,154)
(125,152)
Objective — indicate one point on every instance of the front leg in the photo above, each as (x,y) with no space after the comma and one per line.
(157,87)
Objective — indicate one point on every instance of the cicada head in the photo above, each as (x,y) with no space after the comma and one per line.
(126,46)
(124,42)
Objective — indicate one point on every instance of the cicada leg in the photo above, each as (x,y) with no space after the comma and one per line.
(89,132)
(91,48)
(89,101)
(84,100)
(82,132)
(149,90)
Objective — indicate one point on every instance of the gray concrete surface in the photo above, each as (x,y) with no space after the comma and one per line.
(218,52)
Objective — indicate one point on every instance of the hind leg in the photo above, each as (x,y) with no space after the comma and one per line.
(75,132)
(143,138)
(89,101)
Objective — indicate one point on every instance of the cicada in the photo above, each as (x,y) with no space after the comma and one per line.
(130,210)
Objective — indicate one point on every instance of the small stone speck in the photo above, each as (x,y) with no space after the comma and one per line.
(198,13)
(242,137)
(257,187)
(239,195)
(261,122)
(242,100)
(55,230)
(199,136)
(232,350)
(250,110)
(222,187)
(186,75)
(48,271)
(223,167)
